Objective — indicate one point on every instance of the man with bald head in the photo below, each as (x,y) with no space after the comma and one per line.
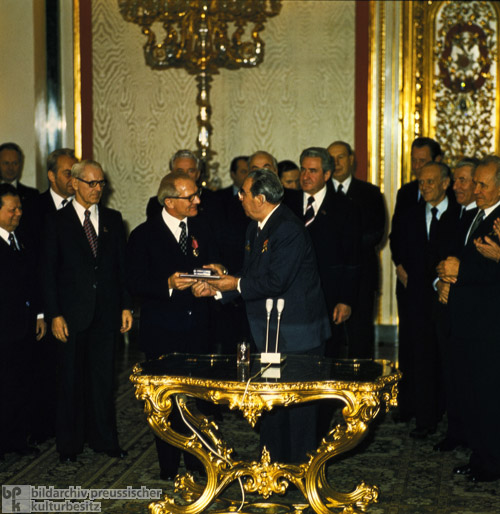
(262,160)
(87,305)
(173,242)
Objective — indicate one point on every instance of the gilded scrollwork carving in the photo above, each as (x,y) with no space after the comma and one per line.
(465,83)
(362,401)
(455,75)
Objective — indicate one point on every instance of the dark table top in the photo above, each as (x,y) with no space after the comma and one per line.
(295,368)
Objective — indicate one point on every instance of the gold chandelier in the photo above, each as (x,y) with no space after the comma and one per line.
(202,36)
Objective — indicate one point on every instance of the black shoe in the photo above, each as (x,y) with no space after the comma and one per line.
(166,475)
(446,445)
(483,476)
(422,433)
(118,453)
(67,457)
(464,469)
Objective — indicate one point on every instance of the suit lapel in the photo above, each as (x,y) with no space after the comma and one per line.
(168,241)
(487,224)
(103,237)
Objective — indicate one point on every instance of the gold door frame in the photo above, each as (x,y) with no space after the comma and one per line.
(404,91)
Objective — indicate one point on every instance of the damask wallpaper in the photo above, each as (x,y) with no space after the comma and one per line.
(302,95)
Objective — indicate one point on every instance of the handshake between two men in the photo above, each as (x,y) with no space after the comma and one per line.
(216,280)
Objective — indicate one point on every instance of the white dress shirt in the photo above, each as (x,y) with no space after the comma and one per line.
(94,214)
(345,184)
(58,199)
(318,200)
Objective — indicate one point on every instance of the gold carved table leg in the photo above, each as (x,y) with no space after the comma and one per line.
(263,477)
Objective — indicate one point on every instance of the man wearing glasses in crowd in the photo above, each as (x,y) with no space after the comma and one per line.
(171,243)
(86,304)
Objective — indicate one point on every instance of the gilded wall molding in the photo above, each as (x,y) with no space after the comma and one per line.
(451,81)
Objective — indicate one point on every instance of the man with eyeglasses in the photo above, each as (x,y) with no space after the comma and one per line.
(86,304)
(187,162)
(171,243)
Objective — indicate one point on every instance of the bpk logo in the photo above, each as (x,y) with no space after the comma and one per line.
(16,498)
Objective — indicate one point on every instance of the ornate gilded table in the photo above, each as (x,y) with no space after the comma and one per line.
(178,378)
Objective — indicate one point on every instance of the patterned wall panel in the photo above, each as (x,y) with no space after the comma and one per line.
(302,95)
(465,86)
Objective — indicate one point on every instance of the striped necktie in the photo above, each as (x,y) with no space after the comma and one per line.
(12,242)
(90,233)
(183,240)
(477,221)
(309,215)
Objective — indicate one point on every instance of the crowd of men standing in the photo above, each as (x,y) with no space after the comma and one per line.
(308,233)
(445,245)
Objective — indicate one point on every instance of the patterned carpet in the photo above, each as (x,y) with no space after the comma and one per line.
(413,479)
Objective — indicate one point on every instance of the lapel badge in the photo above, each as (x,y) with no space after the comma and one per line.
(195,246)
(264,245)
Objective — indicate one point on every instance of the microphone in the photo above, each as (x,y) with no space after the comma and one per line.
(280,305)
(269,308)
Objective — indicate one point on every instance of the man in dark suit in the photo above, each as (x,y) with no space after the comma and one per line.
(86,300)
(11,168)
(428,235)
(463,187)
(473,301)
(334,227)
(186,161)
(172,320)
(19,308)
(279,263)
(232,222)
(60,191)
(369,201)
(423,150)
(230,228)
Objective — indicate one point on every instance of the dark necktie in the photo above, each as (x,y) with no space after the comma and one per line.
(340,189)
(90,233)
(434,225)
(309,215)
(12,242)
(462,210)
(63,203)
(477,221)
(183,240)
